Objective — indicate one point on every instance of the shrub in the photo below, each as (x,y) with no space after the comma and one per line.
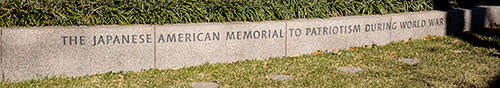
(124,12)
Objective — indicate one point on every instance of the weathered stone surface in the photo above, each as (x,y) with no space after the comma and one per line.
(350,69)
(39,52)
(409,61)
(493,14)
(204,85)
(305,36)
(280,77)
(416,25)
(195,44)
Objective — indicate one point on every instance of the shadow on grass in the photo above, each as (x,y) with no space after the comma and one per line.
(473,37)
(456,24)
(496,81)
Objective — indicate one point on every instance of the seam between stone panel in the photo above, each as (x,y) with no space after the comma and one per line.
(154,47)
(286,39)
(1,54)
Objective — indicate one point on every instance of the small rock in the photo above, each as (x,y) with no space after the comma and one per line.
(350,69)
(457,52)
(296,55)
(336,52)
(369,46)
(173,68)
(280,77)
(409,61)
(204,85)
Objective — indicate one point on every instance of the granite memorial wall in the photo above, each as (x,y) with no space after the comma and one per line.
(37,52)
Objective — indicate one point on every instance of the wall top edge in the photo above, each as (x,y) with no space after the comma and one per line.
(219,23)
(246,22)
(490,6)
(77,27)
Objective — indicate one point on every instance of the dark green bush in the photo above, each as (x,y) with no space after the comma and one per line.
(123,12)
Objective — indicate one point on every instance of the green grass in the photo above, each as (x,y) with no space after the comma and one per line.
(477,66)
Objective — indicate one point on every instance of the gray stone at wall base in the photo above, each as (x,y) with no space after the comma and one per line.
(204,85)
(280,77)
(409,61)
(350,69)
(305,36)
(41,52)
(457,52)
(195,44)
